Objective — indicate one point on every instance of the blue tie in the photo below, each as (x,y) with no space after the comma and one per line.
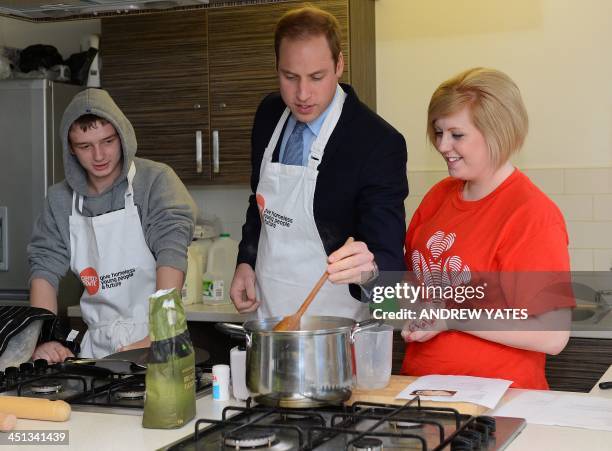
(294,149)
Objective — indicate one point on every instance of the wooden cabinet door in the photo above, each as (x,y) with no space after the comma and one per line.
(243,71)
(155,67)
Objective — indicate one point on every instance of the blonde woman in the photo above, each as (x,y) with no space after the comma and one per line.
(486,217)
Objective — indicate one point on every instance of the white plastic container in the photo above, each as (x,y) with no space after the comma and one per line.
(221,382)
(238,373)
(193,279)
(373,353)
(197,254)
(220,266)
(204,237)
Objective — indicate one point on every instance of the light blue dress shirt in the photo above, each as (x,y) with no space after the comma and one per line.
(311,131)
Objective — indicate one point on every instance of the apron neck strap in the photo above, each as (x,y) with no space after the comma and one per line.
(327,128)
(76,210)
(129,193)
(280,125)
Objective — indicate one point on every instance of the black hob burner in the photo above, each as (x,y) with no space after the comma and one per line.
(361,427)
(96,392)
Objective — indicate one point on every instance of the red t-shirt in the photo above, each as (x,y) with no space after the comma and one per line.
(515,231)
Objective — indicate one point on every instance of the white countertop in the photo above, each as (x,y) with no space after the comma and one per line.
(104,431)
(606,377)
(101,431)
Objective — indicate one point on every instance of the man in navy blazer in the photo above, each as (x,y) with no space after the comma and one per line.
(334,169)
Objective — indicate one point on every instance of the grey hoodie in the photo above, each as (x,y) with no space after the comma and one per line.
(167,212)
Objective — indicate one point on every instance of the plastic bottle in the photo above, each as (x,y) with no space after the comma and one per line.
(220,266)
(204,236)
(193,279)
(197,254)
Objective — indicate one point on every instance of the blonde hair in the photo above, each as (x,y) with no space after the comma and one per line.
(495,104)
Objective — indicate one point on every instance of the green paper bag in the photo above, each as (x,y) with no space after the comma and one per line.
(170,379)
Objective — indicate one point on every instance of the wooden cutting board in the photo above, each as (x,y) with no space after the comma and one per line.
(397,384)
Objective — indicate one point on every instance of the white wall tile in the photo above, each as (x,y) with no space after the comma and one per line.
(590,234)
(229,203)
(234,229)
(602,207)
(420,182)
(588,181)
(574,206)
(581,259)
(602,260)
(548,180)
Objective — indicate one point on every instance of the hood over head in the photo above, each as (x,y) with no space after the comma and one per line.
(99,102)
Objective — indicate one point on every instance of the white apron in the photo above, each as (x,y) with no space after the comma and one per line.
(110,255)
(290,255)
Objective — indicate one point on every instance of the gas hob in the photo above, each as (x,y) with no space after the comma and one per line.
(108,393)
(362,426)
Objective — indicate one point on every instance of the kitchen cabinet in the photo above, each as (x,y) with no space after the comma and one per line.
(176,74)
(579,366)
(155,67)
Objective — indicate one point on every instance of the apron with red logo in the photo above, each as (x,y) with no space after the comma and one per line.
(111,256)
(290,253)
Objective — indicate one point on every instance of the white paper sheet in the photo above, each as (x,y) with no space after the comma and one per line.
(560,409)
(478,390)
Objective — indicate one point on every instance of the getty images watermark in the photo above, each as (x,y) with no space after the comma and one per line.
(434,301)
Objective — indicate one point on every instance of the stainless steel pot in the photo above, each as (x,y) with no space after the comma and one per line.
(306,368)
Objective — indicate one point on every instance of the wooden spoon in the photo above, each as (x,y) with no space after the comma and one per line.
(292,322)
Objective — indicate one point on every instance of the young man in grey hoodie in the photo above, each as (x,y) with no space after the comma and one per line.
(122,224)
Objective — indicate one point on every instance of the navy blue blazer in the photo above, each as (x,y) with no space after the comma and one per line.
(360,189)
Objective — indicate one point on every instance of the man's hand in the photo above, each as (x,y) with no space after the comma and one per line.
(52,352)
(144,343)
(349,263)
(242,290)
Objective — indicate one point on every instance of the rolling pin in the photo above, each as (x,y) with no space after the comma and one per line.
(35,408)
(7,422)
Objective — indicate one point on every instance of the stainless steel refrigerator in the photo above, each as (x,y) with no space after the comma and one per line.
(30,162)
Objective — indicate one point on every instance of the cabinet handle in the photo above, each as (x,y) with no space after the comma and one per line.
(199,151)
(215,150)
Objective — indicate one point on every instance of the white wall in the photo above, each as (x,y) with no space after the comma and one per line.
(228,203)
(557,51)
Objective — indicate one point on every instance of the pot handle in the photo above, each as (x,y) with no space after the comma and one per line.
(234,330)
(364,325)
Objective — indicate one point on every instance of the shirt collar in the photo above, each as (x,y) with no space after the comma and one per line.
(315,126)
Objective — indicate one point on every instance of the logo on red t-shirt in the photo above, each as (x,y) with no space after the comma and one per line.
(90,280)
(437,267)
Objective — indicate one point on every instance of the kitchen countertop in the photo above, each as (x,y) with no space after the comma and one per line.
(101,431)
(606,377)
(602,329)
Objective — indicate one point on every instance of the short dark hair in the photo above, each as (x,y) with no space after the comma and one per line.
(88,121)
(307,22)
